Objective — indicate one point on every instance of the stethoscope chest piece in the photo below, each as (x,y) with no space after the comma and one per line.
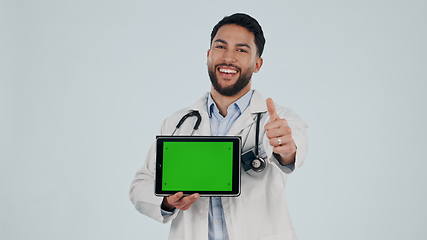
(258,164)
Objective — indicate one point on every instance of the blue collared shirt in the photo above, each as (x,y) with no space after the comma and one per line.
(220,126)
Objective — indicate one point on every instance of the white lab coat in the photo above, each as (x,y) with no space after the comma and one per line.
(260,212)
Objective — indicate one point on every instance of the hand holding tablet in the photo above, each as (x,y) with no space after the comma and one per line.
(179,201)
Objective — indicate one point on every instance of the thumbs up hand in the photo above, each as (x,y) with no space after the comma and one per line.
(280,135)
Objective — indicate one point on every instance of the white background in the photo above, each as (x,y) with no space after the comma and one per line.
(84,86)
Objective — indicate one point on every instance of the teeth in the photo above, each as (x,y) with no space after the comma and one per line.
(227,70)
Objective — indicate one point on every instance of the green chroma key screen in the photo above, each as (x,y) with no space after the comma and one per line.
(204,166)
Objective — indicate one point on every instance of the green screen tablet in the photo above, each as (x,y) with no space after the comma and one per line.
(209,166)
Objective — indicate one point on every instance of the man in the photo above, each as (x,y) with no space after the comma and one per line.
(231,107)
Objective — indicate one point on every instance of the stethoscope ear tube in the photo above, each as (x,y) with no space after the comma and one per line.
(190,114)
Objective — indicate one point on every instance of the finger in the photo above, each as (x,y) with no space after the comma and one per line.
(283,141)
(188,199)
(186,202)
(278,132)
(271,109)
(175,198)
(193,198)
(285,149)
(276,124)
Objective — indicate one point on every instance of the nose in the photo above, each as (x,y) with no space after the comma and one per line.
(229,56)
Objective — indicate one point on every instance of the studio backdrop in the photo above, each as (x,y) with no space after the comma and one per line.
(85,85)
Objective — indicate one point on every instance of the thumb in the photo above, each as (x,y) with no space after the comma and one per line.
(271,109)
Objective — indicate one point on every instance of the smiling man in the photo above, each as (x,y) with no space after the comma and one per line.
(225,66)
(233,108)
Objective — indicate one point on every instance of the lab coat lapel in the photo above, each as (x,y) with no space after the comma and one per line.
(247,118)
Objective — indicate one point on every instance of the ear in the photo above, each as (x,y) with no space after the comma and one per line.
(207,54)
(258,64)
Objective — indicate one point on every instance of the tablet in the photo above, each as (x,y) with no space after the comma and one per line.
(208,165)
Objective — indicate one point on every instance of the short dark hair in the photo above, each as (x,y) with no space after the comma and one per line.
(246,21)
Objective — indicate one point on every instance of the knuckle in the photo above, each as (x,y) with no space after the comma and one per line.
(287,130)
(283,122)
(272,142)
(180,203)
(188,200)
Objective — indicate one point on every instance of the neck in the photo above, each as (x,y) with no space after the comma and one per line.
(223,102)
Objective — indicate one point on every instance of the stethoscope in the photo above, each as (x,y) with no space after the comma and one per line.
(251,160)
(190,114)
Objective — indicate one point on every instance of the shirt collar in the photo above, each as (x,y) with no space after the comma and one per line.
(242,103)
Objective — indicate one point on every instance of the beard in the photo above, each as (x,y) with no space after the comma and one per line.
(232,90)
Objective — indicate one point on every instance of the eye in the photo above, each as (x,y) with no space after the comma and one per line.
(242,50)
(220,47)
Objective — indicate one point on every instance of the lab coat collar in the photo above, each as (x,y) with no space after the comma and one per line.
(257,105)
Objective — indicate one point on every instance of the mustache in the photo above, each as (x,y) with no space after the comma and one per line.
(228,65)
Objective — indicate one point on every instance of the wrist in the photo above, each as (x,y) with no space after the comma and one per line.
(285,160)
(166,206)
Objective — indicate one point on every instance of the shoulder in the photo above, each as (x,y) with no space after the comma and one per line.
(170,122)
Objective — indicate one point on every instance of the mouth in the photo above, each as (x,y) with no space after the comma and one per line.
(227,72)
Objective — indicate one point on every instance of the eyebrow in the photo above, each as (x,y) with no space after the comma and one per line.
(221,41)
(243,45)
(238,44)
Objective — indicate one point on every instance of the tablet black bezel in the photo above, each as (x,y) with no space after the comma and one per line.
(236,140)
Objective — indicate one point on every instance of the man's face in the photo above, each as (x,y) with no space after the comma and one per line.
(232,59)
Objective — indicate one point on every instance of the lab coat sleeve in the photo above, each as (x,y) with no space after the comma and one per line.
(299,134)
(142,189)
